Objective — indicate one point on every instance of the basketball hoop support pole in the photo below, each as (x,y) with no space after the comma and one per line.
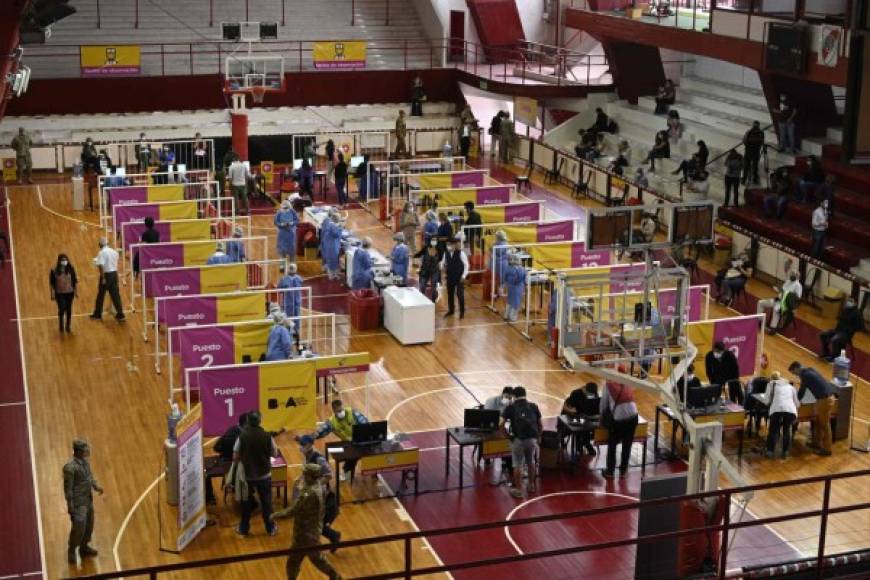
(239,124)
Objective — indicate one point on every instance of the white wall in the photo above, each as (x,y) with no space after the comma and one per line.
(531,17)
(710,68)
(435,15)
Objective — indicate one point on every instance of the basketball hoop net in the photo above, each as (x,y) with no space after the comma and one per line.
(258,94)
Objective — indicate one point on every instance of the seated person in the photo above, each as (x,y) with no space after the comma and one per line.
(341,424)
(660,150)
(602,122)
(623,151)
(698,186)
(783,303)
(617,165)
(849,321)
(573,407)
(587,143)
(599,149)
(665,97)
(647,230)
(810,181)
(733,278)
(675,127)
(686,382)
(688,167)
(776,201)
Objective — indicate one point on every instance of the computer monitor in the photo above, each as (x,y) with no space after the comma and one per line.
(369,433)
(181,168)
(481,419)
(704,396)
(297,164)
(355,161)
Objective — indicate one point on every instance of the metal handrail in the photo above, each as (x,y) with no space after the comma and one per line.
(407,537)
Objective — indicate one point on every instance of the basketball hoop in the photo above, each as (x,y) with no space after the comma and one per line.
(258,94)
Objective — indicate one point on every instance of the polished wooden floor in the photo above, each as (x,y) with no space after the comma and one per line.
(99,383)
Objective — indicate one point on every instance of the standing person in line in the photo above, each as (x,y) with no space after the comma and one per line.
(429,272)
(200,152)
(785,116)
(733,167)
(521,422)
(472,218)
(239,174)
(782,411)
(107,262)
(430,228)
(254,449)
(285,223)
(820,228)
(292,300)
(823,391)
(79,484)
(753,143)
(408,224)
(618,400)
(401,135)
(455,266)
(307,513)
(149,236)
(341,180)
(22,143)
(400,258)
(494,132)
(143,154)
(329,149)
(444,233)
(63,283)
(506,139)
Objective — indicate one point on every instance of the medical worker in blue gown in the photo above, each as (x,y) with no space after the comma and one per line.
(362,266)
(400,257)
(285,222)
(515,281)
(292,301)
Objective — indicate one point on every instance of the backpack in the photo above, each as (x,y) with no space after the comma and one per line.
(524,423)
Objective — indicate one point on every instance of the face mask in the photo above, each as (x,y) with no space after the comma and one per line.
(717,355)
(341,414)
(64,263)
(506,400)
(690,376)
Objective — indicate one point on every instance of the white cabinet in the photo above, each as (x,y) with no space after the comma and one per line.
(409,315)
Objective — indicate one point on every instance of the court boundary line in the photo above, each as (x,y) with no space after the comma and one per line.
(61,215)
(26,386)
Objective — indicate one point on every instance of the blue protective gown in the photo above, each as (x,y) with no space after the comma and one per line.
(430,230)
(285,223)
(551,311)
(236,251)
(362,270)
(218,259)
(292,300)
(280,343)
(515,280)
(399,258)
(330,244)
(501,261)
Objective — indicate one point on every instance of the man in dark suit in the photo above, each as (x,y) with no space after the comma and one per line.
(722,369)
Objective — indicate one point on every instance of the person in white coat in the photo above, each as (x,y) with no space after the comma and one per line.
(782,413)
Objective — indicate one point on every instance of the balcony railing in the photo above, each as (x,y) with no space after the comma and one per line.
(408,570)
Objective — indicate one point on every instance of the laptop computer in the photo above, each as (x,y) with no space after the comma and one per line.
(482,420)
(369,433)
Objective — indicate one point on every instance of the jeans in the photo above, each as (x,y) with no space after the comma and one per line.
(732,184)
(779,422)
(425,280)
(340,185)
(240,193)
(456,289)
(64,308)
(622,433)
(786,136)
(110,286)
(818,244)
(263,488)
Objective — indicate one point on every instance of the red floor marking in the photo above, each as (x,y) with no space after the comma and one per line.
(19,529)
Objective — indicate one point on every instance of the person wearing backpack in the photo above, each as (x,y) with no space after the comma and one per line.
(619,417)
(521,421)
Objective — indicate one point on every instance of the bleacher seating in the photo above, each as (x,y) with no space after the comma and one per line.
(178,24)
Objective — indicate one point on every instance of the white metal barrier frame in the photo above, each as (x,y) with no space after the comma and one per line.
(143,275)
(491,251)
(211,189)
(184,150)
(142,179)
(232,220)
(514,196)
(305,291)
(310,339)
(200,211)
(396,169)
(407,183)
(134,249)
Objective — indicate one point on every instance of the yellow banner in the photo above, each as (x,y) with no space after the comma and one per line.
(192,230)
(171,192)
(517,234)
(197,252)
(443,181)
(9,169)
(339,54)
(342,364)
(240,308)
(288,395)
(178,211)
(551,256)
(392,461)
(221,279)
(250,340)
(110,60)
(491,215)
(701,335)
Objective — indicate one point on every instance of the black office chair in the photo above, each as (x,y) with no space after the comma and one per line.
(524,180)
(811,280)
(553,175)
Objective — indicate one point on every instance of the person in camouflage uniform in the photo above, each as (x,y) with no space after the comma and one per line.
(401,135)
(23,162)
(307,512)
(78,487)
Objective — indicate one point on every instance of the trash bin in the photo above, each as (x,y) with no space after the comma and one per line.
(305,232)
(476,267)
(365,309)
(832,301)
(549,450)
